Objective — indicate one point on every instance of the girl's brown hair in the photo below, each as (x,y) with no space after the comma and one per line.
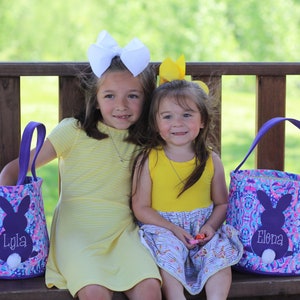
(181,91)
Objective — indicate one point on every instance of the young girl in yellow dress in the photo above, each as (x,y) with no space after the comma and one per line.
(92,227)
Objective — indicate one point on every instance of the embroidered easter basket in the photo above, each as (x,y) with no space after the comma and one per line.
(24,241)
(264,206)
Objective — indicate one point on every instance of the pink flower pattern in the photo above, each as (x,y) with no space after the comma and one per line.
(191,267)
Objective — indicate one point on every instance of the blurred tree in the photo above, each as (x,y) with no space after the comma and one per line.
(214,30)
(266,30)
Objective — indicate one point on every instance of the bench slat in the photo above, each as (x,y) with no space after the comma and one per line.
(243,286)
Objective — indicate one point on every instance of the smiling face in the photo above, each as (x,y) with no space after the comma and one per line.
(120,98)
(178,124)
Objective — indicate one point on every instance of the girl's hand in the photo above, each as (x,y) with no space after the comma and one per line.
(208,232)
(183,235)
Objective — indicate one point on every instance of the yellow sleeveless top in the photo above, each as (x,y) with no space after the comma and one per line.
(167,177)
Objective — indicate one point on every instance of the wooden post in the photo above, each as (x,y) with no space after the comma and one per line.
(270,95)
(10,121)
(71,99)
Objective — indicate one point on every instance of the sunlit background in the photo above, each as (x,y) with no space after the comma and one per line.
(204,30)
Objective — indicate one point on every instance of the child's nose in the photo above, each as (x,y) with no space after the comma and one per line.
(121,103)
(178,121)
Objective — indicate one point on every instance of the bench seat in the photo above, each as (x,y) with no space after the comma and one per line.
(244,286)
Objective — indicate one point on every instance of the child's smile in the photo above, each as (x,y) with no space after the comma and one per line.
(120,98)
(176,124)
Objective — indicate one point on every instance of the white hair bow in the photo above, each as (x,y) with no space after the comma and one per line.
(135,55)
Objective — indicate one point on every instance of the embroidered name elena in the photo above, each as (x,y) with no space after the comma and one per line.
(265,237)
(15,241)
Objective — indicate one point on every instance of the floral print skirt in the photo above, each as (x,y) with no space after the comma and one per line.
(191,267)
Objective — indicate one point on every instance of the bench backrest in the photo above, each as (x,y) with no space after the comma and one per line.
(270,99)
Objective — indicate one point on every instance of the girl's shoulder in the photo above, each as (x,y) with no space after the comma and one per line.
(67,125)
(156,152)
(214,155)
(216,160)
(69,122)
(64,132)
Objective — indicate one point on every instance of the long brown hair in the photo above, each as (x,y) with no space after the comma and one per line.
(180,91)
(88,118)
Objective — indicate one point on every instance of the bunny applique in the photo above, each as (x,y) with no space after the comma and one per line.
(270,241)
(15,243)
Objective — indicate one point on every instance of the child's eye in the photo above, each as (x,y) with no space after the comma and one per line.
(167,117)
(133,96)
(187,115)
(109,96)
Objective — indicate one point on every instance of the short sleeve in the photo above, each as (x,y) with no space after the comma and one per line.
(64,135)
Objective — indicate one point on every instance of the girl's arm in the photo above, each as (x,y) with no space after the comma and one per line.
(9,174)
(219,195)
(141,204)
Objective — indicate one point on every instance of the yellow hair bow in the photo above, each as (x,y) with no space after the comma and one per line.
(170,70)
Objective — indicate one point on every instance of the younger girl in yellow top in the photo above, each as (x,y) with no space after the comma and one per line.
(179,191)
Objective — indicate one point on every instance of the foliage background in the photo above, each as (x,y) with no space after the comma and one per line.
(202,30)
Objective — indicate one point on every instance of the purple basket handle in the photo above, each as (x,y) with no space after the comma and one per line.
(264,128)
(24,153)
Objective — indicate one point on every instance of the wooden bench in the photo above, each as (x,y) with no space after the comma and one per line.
(244,286)
(270,102)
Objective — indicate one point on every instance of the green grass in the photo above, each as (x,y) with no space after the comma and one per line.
(238,125)
(40,103)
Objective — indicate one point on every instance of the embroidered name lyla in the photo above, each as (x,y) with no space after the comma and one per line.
(13,242)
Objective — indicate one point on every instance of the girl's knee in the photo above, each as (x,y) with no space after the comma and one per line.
(222,280)
(94,292)
(147,289)
(153,282)
(151,285)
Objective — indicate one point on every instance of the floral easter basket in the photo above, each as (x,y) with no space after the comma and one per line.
(264,205)
(24,241)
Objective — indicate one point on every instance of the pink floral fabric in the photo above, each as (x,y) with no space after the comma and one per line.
(191,267)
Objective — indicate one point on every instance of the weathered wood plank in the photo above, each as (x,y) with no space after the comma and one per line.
(271,103)
(10,119)
(244,286)
(71,100)
(192,68)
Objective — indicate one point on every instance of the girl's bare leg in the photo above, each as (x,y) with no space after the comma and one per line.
(172,288)
(218,285)
(148,289)
(95,292)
